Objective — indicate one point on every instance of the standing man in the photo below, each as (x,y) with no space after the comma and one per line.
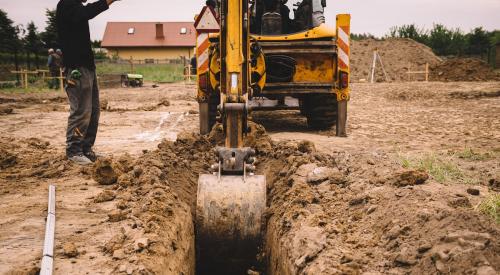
(55,65)
(51,64)
(74,36)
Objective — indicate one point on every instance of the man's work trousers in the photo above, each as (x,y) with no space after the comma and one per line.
(84,114)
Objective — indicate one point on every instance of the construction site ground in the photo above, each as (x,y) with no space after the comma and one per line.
(401,195)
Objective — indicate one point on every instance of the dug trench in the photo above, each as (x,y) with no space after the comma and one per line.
(335,213)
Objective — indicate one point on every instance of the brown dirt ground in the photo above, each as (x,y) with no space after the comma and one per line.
(335,205)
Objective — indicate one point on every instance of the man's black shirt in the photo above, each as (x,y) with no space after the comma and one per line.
(73,29)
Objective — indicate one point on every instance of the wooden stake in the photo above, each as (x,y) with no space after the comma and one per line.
(61,80)
(383,69)
(25,79)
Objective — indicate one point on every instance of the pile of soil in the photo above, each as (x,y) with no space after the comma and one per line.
(397,55)
(463,69)
(31,157)
(348,222)
(155,196)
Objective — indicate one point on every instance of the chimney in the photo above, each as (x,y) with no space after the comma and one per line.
(159,31)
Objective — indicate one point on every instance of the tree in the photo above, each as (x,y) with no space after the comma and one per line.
(478,42)
(458,43)
(362,36)
(409,31)
(49,35)
(96,44)
(9,38)
(440,39)
(32,43)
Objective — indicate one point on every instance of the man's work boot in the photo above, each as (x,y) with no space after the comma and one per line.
(80,159)
(92,156)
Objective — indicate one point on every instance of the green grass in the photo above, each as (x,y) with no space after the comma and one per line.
(469,154)
(151,72)
(34,87)
(491,207)
(441,169)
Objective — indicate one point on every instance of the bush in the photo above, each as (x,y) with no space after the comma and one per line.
(446,41)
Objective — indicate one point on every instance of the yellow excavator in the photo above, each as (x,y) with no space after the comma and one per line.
(257,57)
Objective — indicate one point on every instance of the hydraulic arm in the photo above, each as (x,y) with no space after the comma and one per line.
(231,201)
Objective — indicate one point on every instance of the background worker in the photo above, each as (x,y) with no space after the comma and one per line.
(54,62)
(83,94)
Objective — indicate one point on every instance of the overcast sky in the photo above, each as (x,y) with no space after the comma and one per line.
(370,16)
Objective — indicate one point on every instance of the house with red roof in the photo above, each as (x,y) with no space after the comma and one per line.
(149,40)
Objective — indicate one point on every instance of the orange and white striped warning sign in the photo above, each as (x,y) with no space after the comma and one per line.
(343,46)
(202,45)
(206,22)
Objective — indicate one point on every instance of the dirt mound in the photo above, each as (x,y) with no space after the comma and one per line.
(463,69)
(332,228)
(396,54)
(156,194)
(256,137)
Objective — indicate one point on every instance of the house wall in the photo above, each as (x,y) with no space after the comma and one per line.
(141,53)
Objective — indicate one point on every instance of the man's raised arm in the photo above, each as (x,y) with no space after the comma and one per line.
(76,12)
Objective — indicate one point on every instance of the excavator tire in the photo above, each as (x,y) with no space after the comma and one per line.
(208,114)
(213,103)
(320,110)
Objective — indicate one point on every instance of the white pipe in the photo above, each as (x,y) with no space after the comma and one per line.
(50,228)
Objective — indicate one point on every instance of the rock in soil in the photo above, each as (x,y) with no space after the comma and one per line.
(473,191)
(320,174)
(117,215)
(104,196)
(70,250)
(306,146)
(104,173)
(141,243)
(459,201)
(409,177)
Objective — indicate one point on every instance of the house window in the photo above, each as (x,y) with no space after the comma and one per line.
(131,30)
(184,30)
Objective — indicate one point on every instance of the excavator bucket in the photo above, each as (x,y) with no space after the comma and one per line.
(229,222)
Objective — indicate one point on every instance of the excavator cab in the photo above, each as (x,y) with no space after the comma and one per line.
(275,16)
